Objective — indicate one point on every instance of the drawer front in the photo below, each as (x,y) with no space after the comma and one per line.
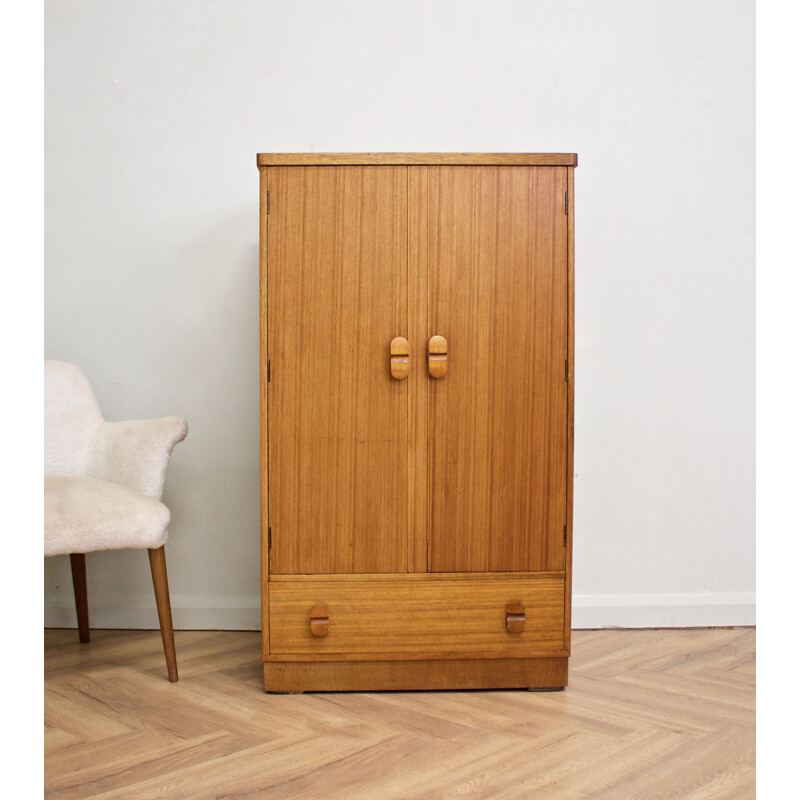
(417,616)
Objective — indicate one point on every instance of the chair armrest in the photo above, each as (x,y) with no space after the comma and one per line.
(135,453)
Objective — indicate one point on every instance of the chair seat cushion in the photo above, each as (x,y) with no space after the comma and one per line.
(86,514)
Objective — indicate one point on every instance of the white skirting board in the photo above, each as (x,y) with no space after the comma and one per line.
(189,613)
(691,610)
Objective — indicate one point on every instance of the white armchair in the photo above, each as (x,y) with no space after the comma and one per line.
(102,487)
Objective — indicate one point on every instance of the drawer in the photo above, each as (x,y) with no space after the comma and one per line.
(417,616)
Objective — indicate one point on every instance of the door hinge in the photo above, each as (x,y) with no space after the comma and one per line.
(267,202)
(566,203)
(269,372)
(565,536)
(269,538)
(566,370)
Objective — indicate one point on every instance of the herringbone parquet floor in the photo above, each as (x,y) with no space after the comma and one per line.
(650,715)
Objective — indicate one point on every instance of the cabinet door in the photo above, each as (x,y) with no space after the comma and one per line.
(497,424)
(337,420)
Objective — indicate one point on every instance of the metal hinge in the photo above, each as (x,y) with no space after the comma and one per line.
(566,203)
(566,370)
(565,535)
(269,538)
(267,202)
(269,376)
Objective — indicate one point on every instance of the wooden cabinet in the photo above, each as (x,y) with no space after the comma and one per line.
(416,394)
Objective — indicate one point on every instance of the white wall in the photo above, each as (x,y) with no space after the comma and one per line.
(154,114)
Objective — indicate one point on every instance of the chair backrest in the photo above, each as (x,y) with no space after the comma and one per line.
(71,414)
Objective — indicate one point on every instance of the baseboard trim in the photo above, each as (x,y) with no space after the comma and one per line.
(689,610)
(201,612)
(189,613)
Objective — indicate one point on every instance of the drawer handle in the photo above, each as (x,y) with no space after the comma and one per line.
(399,355)
(319,621)
(437,356)
(515,617)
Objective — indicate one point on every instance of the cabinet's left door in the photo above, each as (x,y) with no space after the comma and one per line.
(337,421)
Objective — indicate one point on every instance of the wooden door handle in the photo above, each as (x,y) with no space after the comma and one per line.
(399,358)
(437,356)
(515,617)
(319,621)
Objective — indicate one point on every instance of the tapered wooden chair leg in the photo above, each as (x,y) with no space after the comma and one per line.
(158,566)
(78,563)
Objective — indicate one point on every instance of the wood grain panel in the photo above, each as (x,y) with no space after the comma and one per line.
(421,576)
(338,422)
(418,325)
(383,676)
(570,399)
(498,419)
(424,617)
(409,656)
(263,183)
(418,159)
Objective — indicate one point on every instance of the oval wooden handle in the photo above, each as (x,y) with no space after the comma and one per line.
(515,617)
(437,356)
(399,358)
(319,621)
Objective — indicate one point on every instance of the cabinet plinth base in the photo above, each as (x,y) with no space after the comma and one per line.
(382,676)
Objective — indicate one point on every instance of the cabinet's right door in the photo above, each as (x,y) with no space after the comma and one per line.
(497,420)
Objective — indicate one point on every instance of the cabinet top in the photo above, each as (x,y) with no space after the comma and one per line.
(418,159)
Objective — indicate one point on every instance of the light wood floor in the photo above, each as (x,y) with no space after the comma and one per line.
(653,714)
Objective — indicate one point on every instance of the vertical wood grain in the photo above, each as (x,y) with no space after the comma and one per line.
(497,434)
(264,419)
(570,401)
(338,422)
(418,408)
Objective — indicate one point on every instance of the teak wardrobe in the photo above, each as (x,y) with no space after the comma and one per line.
(416,420)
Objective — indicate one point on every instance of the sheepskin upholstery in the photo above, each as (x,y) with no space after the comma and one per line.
(86,514)
(103,480)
